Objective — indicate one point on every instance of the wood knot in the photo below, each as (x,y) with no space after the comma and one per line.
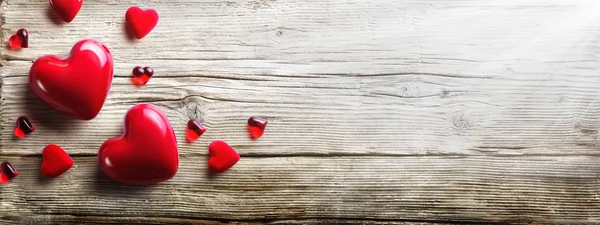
(460,121)
(193,110)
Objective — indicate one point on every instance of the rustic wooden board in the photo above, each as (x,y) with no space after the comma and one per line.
(423,188)
(387,111)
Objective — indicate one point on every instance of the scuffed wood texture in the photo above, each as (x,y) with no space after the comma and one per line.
(380,112)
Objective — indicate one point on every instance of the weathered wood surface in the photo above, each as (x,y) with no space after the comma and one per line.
(390,111)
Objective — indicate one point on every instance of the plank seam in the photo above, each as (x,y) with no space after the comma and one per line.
(282,220)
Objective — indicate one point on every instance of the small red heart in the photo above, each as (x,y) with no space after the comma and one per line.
(141,75)
(222,156)
(194,130)
(55,161)
(78,85)
(140,22)
(146,153)
(256,127)
(66,9)
(7,172)
(19,40)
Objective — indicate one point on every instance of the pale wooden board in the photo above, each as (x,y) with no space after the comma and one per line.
(391,77)
(426,80)
(431,188)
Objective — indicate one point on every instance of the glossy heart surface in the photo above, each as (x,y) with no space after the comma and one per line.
(66,9)
(147,151)
(140,22)
(256,127)
(141,75)
(194,130)
(23,127)
(7,172)
(19,40)
(55,161)
(78,85)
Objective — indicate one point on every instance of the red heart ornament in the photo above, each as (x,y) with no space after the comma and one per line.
(222,156)
(19,40)
(66,9)
(146,153)
(55,161)
(78,85)
(140,22)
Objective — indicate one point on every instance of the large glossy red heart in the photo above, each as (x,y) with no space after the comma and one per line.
(78,85)
(66,9)
(140,22)
(222,156)
(146,153)
(55,161)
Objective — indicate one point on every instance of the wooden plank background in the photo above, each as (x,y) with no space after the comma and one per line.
(380,111)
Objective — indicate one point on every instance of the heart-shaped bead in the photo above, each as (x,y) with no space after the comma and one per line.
(256,127)
(146,153)
(141,75)
(78,85)
(7,172)
(55,161)
(194,130)
(66,9)
(140,22)
(222,156)
(19,40)
(23,127)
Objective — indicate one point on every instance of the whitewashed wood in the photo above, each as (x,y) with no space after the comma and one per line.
(454,85)
(386,77)
(538,189)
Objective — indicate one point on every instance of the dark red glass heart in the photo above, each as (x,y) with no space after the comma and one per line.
(23,127)
(19,39)
(141,76)
(7,172)
(194,130)
(256,127)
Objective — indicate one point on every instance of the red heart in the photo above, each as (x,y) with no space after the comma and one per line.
(55,161)
(222,157)
(19,39)
(66,9)
(78,85)
(146,153)
(140,22)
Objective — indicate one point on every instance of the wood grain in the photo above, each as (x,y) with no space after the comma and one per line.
(388,111)
(355,78)
(457,189)
(69,219)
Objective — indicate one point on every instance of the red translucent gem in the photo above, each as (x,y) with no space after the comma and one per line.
(137,71)
(256,127)
(148,71)
(194,130)
(141,76)
(7,172)
(19,39)
(23,127)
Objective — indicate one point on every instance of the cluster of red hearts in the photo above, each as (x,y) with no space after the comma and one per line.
(77,86)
